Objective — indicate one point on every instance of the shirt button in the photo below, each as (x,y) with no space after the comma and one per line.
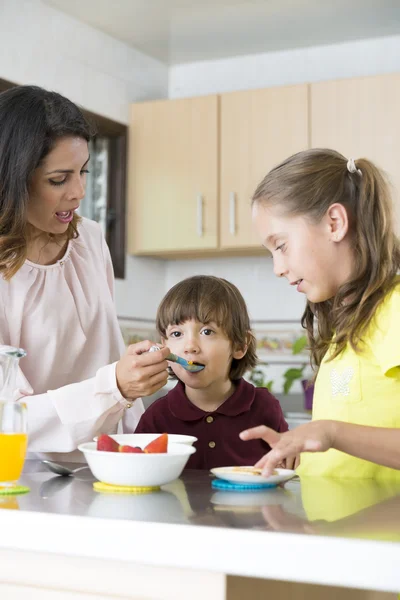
(210,419)
(211,444)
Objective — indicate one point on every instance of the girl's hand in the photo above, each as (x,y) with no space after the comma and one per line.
(140,372)
(316,436)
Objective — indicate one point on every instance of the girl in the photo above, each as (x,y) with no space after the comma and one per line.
(205,319)
(329,224)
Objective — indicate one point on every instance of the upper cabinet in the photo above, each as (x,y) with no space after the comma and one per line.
(195,163)
(360,118)
(173,176)
(258,129)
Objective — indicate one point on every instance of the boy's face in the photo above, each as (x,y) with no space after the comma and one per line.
(207,344)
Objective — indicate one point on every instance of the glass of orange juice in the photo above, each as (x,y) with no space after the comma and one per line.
(13,419)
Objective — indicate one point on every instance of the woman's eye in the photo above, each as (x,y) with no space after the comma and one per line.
(54,182)
(84,171)
(281,247)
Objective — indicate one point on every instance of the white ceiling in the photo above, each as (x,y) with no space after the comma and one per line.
(179,31)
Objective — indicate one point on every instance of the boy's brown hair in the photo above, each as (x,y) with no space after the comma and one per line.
(205,298)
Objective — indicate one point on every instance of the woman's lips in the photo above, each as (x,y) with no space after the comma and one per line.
(65,216)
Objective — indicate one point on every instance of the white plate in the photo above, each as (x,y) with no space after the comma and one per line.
(234,475)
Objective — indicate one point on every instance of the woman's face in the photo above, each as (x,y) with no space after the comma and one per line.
(58,186)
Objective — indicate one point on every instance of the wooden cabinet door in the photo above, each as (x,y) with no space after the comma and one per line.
(173,175)
(361,119)
(258,129)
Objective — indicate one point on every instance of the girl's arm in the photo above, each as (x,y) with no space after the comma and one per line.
(376,444)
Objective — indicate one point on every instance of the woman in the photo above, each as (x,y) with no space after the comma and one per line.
(56,283)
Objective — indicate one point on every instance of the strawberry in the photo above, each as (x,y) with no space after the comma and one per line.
(131,449)
(158,446)
(107,444)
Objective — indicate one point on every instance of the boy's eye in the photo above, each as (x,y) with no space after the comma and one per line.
(175,334)
(207,331)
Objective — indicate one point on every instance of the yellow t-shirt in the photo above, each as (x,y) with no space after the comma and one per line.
(361,388)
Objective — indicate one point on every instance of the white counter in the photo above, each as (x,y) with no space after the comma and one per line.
(188,526)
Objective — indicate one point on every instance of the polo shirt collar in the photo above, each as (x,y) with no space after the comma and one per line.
(239,402)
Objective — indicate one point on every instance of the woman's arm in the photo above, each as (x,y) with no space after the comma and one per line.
(376,444)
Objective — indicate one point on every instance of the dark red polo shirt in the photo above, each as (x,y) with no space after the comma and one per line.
(218,442)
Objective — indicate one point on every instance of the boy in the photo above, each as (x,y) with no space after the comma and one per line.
(205,319)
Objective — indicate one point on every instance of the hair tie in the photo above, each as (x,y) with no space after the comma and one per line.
(351,167)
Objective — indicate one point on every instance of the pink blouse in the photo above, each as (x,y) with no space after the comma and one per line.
(63,315)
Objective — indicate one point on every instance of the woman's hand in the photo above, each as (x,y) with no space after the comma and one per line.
(140,372)
(316,436)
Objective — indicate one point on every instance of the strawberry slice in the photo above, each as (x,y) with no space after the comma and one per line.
(158,446)
(107,443)
(132,449)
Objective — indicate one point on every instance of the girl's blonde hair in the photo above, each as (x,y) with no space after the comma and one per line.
(205,298)
(307,184)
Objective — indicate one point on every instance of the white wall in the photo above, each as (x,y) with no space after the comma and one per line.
(267,296)
(43,46)
(318,63)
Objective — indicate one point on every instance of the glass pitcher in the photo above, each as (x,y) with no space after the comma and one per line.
(13,421)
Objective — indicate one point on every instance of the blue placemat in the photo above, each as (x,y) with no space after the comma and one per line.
(221,484)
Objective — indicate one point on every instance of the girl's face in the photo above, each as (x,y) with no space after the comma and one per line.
(58,186)
(315,258)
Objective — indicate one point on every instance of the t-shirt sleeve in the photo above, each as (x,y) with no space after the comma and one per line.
(385,337)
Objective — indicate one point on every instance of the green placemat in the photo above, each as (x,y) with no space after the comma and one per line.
(13,491)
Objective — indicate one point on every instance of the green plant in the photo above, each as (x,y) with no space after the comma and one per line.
(290,375)
(257,377)
(294,373)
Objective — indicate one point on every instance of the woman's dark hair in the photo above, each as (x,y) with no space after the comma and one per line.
(31,121)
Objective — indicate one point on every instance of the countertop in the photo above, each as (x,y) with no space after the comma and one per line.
(314,531)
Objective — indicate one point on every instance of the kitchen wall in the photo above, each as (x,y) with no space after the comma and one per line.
(318,63)
(43,46)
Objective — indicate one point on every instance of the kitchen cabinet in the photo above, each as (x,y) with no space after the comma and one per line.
(360,118)
(258,129)
(173,176)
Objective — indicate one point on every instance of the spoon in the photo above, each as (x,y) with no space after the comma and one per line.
(188,365)
(61,469)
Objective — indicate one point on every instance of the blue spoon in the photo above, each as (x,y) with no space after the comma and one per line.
(189,365)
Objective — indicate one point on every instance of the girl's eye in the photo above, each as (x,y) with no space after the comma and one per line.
(281,247)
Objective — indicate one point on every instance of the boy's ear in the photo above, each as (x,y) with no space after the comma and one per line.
(238,354)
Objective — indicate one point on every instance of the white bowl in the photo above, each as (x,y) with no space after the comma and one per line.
(140,470)
(142,439)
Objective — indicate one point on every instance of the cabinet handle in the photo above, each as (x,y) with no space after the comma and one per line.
(232,213)
(200,215)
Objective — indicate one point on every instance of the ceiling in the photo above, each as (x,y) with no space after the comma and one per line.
(181,31)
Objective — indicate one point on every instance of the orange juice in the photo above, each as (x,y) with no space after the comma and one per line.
(12,455)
